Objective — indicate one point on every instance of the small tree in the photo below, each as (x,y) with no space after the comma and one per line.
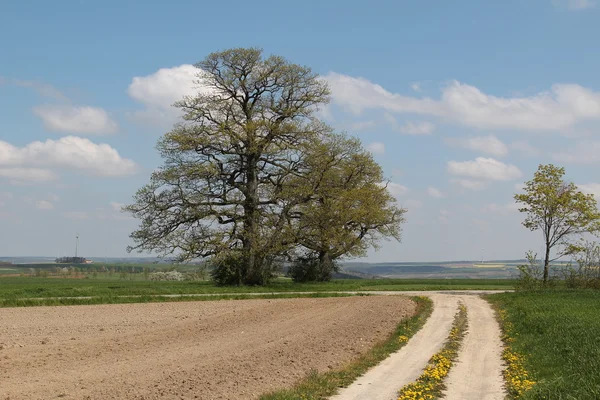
(559,210)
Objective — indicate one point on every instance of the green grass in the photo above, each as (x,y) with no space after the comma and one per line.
(559,334)
(36,287)
(317,385)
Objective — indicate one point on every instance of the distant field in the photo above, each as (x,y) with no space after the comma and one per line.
(12,288)
(559,332)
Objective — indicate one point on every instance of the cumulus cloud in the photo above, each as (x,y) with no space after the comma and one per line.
(485,169)
(483,144)
(561,107)
(35,160)
(376,148)
(584,152)
(160,90)
(433,192)
(82,120)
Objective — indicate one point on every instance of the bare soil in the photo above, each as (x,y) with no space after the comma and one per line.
(236,349)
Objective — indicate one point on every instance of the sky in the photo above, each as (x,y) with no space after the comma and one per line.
(458,101)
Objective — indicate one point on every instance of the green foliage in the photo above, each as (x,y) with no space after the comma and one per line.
(558,209)
(348,208)
(251,175)
(312,269)
(557,331)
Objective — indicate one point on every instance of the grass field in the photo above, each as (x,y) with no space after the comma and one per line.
(559,334)
(109,290)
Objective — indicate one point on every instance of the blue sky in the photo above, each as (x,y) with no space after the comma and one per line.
(459,101)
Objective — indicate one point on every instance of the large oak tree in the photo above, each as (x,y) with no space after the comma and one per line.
(218,193)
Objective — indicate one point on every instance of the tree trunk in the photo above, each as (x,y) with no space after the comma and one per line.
(546,263)
(251,273)
(325,266)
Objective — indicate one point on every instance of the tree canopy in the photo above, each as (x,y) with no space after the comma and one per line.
(240,173)
(558,209)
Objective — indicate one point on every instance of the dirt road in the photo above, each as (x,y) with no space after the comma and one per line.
(193,350)
(477,375)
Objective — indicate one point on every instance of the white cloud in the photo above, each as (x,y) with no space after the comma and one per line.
(525,148)
(484,144)
(417,128)
(396,189)
(485,169)
(469,184)
(433,192)
(376,148)
(563,106)
(44,205)
(82,120)
(160,90)
(19,176)
(584,152)
(574,4)
(33,161)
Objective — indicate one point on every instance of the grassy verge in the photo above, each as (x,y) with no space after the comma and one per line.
(65,301)
(431,383)
(36,287)
(552,336)
(319,385)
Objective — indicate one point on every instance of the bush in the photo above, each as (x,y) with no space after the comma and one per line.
(587,273)
(225,271)
(531,275)
(167,276)
(312,269)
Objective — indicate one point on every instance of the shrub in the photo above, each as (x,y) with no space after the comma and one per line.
(167,276)
(312,269)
